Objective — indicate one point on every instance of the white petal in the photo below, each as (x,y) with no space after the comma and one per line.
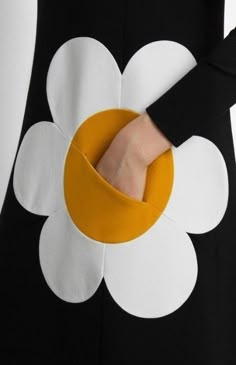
(153,275)
(152,70)
(200,192)
(83,79)
(72,264)
(38,173)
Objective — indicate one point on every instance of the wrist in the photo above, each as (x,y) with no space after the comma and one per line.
(145,139)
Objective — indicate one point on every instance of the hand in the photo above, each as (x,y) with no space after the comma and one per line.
(124,164)
(122,169)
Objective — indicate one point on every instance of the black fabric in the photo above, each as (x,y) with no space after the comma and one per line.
(36,326)
(198,100)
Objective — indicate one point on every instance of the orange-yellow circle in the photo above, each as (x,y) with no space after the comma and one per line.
(96,207)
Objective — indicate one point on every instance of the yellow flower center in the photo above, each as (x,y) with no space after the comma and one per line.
(96,207)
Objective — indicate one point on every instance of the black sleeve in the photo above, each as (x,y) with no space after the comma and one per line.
(196,100)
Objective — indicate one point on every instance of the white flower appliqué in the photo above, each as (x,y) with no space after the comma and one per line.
(154,273)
